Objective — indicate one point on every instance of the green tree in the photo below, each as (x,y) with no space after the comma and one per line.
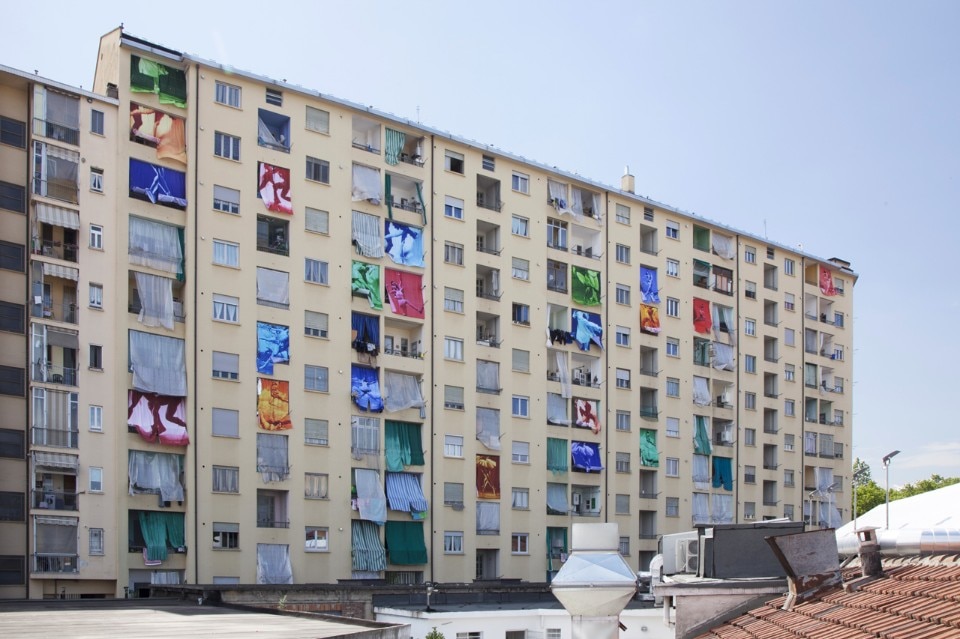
(923,486)
(869,496)
(434,634)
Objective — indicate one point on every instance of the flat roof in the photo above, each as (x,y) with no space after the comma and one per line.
(165,618)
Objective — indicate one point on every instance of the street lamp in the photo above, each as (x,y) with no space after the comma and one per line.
(856,476)
(886,467)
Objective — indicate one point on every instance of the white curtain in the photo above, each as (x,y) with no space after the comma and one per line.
(563,369)
(701,472)
(809,443)
(155,245)
(597,211)
(558,193)
(722,509)
(701,508)
(824,480)
(402,391)
(273,462)
(226,480)
(488,516)
(488,427)
(159,364)
(367,234)
(371,500)
(156,300)
(316,486)
(557,410)
(723,357)
(701,391)
(273,564)
(155,473)
(273,286)
(366,184)
(488,375)
(723,246)
(576,203)
(723,315)
(364,437)
(557,498)
(165,577)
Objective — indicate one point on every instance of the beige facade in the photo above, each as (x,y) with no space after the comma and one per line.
(314,293)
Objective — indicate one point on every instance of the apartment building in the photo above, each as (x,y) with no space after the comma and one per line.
(323,343)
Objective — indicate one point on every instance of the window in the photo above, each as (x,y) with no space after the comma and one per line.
(673,268)
(316,432)
(789,407)
(226,200)
(750,363)
(673,467)
(701,238)
(11,381)
(623,420)
(771,253)
(226,146)
(520,226)
(11,443)
(789,266)
(226,479)
(95,541)
(488,163)
(623,378)
(838,319)
(749,510)
(749,436)
(788,477)
(13,197)
(623,336)
(12,317)
(789,337)
(316,539)
(623,253)
(452,446)
(225,422)
(623,294)
(453,253)
(749,474)
(520,314)
(622,464)
(750,290)
(520,499)
(453,348)
(452,543)
(95,475)
(837,352)
(315,324)
(556,276)
(673,387)
(789,373)
(316,485)
(13,132)
(315,271)
(453,208)
(315,378)
(521,182)
(453,397)
(317,221)
(452,300)
(521,268)
(838,384)
(622,214)
(749,255)
(96,179)
(226,253)
(96,357)
(95,418)
(789,302)
(673,507)
(96,296)
(788,442)
(227,94)
(453,161)
(622,504)
(318,120)
(520,452)
(453,494)
(673,307)
(274,97)
(226,365)
(557,234)
(318,170)
(750,401)
(521,406)
(96,122)
(11,256)
(519,544)
(750,327)
(673,427)
(226,308)
(521,360)
(673,230)
(96,237)
(673,347)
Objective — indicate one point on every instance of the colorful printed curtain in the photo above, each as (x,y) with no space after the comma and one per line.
(365,281)
(586,328)
(158,418)
(587,414)
(702,322)
(273,404)
(488,476)
(585,456)
(159,130)
(826,282)
(273,346)
(365,388)
(403,243)
(648,448)
(273,187)
(404,292)
(157,184)
(649,319)
(649,289)
(169,84)
(585,286)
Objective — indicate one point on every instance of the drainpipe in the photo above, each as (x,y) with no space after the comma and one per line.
(196,413)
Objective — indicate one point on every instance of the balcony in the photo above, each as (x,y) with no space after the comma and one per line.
(54,437)
(66,312)
(55,563)
(649,412)
(488,193)
(59,250)
(273,523)
(54,374)
(55,500)
(58,132)
(63,190)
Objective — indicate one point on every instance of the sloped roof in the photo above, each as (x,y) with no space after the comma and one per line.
(917,598)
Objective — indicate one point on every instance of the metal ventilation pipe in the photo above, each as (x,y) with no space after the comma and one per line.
(902,543)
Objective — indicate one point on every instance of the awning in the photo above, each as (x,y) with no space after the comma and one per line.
(63,339)
(64,272)
(56,461)
(58,216)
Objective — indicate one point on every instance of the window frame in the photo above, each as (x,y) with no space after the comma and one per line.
(317,170)
(316,378)
(95,296)
(224,93)
(519,543)
(520,182)
(226,146)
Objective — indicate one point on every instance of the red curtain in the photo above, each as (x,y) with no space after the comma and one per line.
(405,292)
(826,281)
(701,316)
(274,188)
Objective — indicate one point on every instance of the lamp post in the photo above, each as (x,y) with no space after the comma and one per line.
(857,475)
(886,468)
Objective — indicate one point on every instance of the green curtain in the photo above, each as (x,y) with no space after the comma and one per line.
(387,187)
(395,140)
(368,553)
(153,527)
(558,454)
(175,535)
(648,448)
(585,286)
(423,205)
(701,438)
(701,351)
(404,446)
(147,76)
(366,281)
(405,544)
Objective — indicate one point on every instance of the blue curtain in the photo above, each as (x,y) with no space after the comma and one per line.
(649,290)
(586,328)
(585,456)
(367,329)
(365,388)
(403,243)
(273,346)
(157,184)
(723,473)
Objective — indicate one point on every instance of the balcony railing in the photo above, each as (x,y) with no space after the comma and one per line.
(492,206)
(488,250)
(179,315)
(54,131)
(649,411)
(490,341)
(59,250)
(58,190)
(273,523)
(277,248)
(54,500)
(56,437)
(408,204)
(55,563)
(369,148)
(63,313)
(490,295)
(54,374)
(489,391)
(402,353)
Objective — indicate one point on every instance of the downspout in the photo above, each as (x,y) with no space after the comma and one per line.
(433,422)
(606,357)
(196,416)
(28,342)
(736,412)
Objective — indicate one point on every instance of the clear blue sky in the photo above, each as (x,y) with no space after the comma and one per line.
(831,125)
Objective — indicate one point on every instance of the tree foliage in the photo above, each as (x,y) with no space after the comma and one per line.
(870,494)
(434,634)
(861,472)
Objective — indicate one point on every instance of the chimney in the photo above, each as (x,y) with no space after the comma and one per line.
(112,91)
(810,561)
(627,182)
(870,552)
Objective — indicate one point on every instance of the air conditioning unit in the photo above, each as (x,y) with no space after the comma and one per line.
(727,437)
(688,555)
